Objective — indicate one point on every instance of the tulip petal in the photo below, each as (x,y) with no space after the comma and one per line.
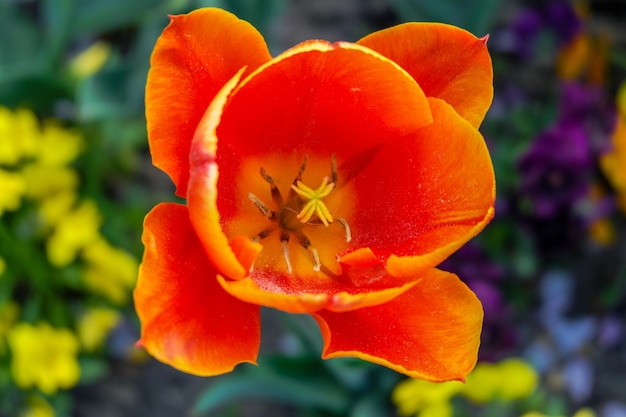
(309,299)
(317,99)
(196,54)
(188,321)
(249,291)
(432,331)
(202,193)
(447,62)
(438,190)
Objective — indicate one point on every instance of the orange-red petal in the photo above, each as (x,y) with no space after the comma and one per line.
(192,59)
(431,331)
(317,99)
(295,295)
(188,320)
(202,196)
(423,198)
(447,62)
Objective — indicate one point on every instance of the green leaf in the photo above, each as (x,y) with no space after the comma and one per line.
(310,392)
(22,49)
(260,13)
(57,18)
(96,16)
(371,405)
(477,17)
(103,96)
(92,368)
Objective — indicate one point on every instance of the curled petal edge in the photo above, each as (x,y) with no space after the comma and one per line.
(407,266)
(202,194)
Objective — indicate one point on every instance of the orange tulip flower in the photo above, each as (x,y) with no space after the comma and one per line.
(329,180)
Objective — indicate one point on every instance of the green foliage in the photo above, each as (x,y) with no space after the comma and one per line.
(475,16)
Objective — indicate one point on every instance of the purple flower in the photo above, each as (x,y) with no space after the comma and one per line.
(586,105)
(556,169)
(556,16)
(578,378)
(562,18)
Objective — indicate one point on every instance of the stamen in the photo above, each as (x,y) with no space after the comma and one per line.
(276,196)
(284,240)
(315,205)
(313,211)
(306,244)
(316,259)
(333,169)
(263,234)
(345,225)
(270,214)
(286,256)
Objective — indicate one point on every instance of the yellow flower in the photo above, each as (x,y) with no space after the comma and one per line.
(424,398)
(583,412)
(95,325)
(74,232)
(613,164)
(57,145)
(43,357)
(508,380)
(8,315)
(91,60)
(38,407)
(19,131)
(46,180)
(602,231)
(110,271)
(54,208)
(573,59)
(13,189)
(3,266)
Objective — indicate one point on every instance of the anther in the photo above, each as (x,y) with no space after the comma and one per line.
(306,244)
(270,214)
(317,264)
(284,240)
(333,169)
(276,196)
(345,225)
(263,234)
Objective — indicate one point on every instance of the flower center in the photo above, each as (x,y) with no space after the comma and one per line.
(303,207)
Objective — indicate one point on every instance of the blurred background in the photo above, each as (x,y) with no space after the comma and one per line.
(76,181)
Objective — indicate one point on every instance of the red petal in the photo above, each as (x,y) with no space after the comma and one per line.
(447,62)
(432,331)
(423,198)
(317,99)
(188,321)
(193,58)
(202,197)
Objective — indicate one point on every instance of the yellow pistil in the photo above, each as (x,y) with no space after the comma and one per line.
(315,205)
(301,207)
